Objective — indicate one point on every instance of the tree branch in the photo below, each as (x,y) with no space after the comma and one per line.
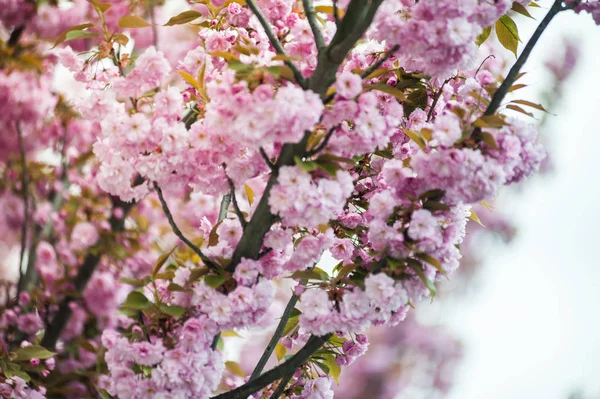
(276,336)
(283,370)
(86,270)
(516,68)
(274,40)
(178,232)
(281,387)
(236,206)
(25,224)
(311,15)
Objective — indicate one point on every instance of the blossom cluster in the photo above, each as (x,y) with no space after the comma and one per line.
(248,148)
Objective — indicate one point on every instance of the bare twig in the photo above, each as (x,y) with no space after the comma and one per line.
(178,232)
(266,158)
(274,40)
(386,56)
(236,206)
(436,98)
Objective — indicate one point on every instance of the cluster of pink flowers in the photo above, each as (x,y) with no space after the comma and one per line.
(436,37)
(378,173)
(298,199)
(189,369)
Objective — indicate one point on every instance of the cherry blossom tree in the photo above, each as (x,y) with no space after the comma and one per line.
(167,168)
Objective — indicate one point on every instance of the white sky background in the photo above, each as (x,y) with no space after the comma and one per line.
(531,328)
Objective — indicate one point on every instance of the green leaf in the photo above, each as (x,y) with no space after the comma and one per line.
(235,368)
(519,109)
(79,34)
(280,351)
(136,300)
(176,288)
(507,33)
(414,136)
(432,261)
(334,368)
(290,325)
(418,269)
(473,216)
(62,37)
(307,166)
(120,38)
(519,8)
(530,104)
(33,351)
(249,194)
(132,281)
(387,89)
(491,121)
(190,79)
(314,274)
(483,36)
(215,281)
(104,393)
(184,18)
(435,206)
(161,260)
(132,22)
(487,138)
(435,195)
(172,310)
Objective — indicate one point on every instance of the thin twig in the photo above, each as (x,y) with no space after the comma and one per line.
(25,187)
(236,206)
(336,16)
(178,232)
(323,143)
(276,336)
(380,61)
(274,40)
(311,15)
(516,68)
(151,6)
(436,98)
(266,158)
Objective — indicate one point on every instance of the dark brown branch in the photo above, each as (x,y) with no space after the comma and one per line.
(276,337)
(178,232)
(266,158)
(516,68)
(281,387)
(282,371)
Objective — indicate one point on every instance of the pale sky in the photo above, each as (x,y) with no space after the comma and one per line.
(532,326)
